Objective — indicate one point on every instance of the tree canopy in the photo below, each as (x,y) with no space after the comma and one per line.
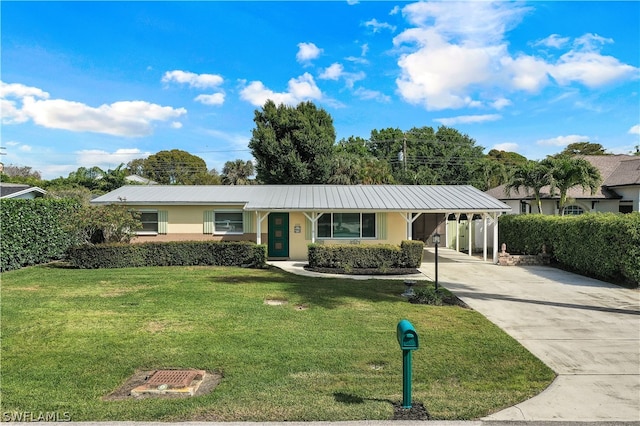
(174,167)
(292,145)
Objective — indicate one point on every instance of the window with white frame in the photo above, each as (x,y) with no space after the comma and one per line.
(573,210)
(228,222)
(149,220)
(347,225)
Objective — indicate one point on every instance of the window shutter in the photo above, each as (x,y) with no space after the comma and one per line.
(208,221)
(381,222)
(163,219)
(248,225)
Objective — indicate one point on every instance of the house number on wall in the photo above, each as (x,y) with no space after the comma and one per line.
(297,229)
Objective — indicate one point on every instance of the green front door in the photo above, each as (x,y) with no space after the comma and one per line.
(278,235)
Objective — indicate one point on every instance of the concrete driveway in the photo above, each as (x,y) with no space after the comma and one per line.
(586,330)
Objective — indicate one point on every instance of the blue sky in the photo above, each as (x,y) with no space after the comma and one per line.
(101,83)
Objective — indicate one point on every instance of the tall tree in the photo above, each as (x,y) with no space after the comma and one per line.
(423,156)
(532,175)
(176,167)
(569,172)
(582,148)
(292,145)
(237,172)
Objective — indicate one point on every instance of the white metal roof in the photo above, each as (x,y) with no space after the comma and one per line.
(416,198)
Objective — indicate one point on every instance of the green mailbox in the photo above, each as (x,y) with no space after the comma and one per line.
(407,336)
(408,340)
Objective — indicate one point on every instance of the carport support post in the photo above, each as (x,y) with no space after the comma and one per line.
(406,378)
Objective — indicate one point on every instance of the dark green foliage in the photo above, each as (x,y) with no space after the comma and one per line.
(429,295)
(182,253)
(33,231)
(604,245)
(381,256)
(292,145)
(412,252)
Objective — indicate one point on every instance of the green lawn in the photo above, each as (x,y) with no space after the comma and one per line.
(70,337)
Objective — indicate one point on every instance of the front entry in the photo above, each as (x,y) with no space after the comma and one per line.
(278,245)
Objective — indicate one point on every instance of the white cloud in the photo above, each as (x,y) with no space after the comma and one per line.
(352,2)
(635,130)
(590,42)
(395,10)
(507,146)
(25,148)
(213,99)
(124,118)
(526,73)
(16,90)
(501,103)
(468,119)
(439,74)
(199,81)
(333,72)
(590,69)
(307,52)
(554,40)
(563,140)
(456,50)
(300,89)
(378,26)
(176,125)
(106,159)
(367,94)
(471,23)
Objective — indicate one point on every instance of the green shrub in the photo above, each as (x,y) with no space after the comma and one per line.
(33,231)
(381,256)
(180,253)
(603,245)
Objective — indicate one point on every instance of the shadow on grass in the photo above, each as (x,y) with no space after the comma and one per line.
(325,292)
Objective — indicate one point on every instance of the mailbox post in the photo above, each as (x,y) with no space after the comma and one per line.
(408,341)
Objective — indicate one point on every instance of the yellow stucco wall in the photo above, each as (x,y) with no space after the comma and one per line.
(187,223)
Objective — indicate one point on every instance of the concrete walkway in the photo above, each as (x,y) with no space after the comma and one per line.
(586,330)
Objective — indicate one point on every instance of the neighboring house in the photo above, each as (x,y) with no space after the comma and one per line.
(288,217)
(18,190)
(618,193)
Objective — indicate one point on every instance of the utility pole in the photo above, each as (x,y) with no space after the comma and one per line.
(404,151)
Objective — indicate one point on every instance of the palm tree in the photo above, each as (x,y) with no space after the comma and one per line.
(569,172)
(237,172)
(531,175)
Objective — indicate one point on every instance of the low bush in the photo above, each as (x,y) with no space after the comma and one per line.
(603,245)
(381,257)
(182,253)
(428,295)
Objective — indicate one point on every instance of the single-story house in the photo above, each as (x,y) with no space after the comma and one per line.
(618,193)
(288,217)
(19,190)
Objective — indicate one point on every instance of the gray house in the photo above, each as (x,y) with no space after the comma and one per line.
(618,193)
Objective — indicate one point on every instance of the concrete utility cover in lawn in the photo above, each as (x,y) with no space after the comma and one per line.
(179,382)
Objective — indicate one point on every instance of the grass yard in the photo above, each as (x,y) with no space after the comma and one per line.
(70,337)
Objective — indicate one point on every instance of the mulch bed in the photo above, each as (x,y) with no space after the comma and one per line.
(416,412)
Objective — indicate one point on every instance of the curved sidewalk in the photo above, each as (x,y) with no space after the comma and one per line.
(586,330)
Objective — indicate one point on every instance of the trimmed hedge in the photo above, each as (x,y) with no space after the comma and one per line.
(603,245)
(180,253)
(33,231)
(381,256)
